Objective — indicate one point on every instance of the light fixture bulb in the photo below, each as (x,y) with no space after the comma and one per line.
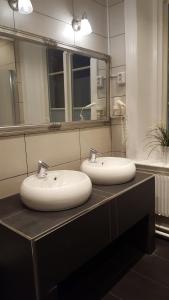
(76,25)
(25,7)
(85,26)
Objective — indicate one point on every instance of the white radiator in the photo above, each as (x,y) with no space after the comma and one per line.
(162,195)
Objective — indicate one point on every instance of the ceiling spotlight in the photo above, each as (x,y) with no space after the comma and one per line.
(23,6)
(82,25)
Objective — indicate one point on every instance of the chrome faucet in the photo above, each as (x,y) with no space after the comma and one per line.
(92,156)
(42,169)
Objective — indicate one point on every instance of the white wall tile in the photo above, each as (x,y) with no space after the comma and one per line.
(12,157)
(116,89)
(58,9)
(10,186)
(116,121)
(118,154)
(6,14)
(97,138)
(93,42)
(96,13)
(118,144)
(53,148)
(117,46)
(73,165)
(116,19)
(45,26)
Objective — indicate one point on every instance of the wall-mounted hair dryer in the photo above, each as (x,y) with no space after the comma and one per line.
(85,107)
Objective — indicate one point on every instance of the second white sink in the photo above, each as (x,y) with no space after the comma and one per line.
(109,170)
(59,190)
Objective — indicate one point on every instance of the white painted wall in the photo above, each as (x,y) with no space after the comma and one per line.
(143,70)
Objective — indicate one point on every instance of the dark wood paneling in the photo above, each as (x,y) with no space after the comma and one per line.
(66,249)
(135,204)
(16,267)
(33,223)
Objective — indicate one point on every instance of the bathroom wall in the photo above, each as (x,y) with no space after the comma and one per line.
(61,150)
(19,154)
(118,64)
(52,18)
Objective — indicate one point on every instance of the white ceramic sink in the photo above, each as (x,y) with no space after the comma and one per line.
(59,190)
(109,170)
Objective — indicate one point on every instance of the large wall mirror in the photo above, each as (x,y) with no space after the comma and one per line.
(42,84)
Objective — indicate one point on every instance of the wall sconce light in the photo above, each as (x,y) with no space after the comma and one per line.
(23,6)
(83,26)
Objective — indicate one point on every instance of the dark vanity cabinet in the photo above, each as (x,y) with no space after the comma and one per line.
(38,250)
(65,250)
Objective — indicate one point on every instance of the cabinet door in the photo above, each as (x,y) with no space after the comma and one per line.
(67,248)
(135,204)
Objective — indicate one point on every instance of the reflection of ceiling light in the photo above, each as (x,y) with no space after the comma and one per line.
(82,26)
(85,25)
(23,6)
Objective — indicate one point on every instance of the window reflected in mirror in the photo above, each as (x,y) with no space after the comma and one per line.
(9,106)
(42,84)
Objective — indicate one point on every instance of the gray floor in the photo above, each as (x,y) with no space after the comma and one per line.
(122,273)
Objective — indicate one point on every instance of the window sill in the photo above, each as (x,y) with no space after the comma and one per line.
(152,166)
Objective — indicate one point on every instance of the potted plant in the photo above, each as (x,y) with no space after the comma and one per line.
(158,137)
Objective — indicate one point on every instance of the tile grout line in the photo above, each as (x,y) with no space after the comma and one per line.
(60,164)
(11,177)
(117,96)
(119,2)
(56,19)
(26,154)
(114,295)
(99,3)
(108,27)
(67,23)
(161,257)
(117,35)
(80,148)
(114,67)
(73,9)
(150,279)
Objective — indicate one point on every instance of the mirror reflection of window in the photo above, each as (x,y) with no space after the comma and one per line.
(9,106)
(32,82)
(81,86)
(56,85)
(40,84)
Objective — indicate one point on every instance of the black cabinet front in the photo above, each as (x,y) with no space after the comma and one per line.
(135,204)
(63,251)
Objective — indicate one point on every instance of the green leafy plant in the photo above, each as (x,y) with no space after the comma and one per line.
(158,136)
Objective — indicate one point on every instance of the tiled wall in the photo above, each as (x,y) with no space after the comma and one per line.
(118,64)
(52,18)
(61,150)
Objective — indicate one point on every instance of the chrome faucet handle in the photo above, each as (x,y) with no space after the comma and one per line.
(92,156)
(42,169)
(92,150)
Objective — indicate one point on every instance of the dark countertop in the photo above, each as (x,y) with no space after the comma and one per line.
(34,224)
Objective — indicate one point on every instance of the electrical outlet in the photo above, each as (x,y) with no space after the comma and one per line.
(100,81)
(121,78)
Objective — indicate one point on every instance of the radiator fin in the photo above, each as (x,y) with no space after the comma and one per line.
(162,195)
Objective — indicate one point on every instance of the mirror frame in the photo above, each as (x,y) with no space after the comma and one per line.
(29,129)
